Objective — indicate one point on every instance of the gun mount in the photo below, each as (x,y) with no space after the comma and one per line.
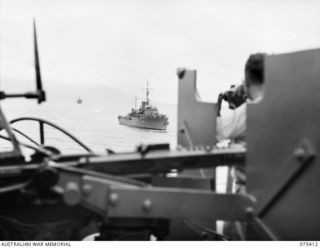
(130,196)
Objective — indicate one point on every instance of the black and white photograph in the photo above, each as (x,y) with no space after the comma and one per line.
(159,120)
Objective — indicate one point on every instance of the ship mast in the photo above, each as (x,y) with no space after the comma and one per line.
(147,93)
(135,102)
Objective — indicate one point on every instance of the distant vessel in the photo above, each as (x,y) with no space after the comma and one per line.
(79,101)
(146,116)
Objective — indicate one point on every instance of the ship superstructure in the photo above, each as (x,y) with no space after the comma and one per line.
(146,116)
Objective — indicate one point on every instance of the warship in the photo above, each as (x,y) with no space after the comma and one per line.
(132,196)
(146,117)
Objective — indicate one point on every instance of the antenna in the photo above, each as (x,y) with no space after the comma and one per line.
(147,92)
(39,93)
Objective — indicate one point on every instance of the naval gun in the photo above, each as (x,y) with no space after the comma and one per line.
(133,196)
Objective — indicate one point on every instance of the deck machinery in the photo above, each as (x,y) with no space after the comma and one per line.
(129,196)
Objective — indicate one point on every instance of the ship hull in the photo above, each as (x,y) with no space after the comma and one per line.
(156,124)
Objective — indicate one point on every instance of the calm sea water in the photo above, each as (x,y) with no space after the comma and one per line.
(95,125)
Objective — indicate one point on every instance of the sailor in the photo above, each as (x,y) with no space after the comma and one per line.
(233,126)
(251,91)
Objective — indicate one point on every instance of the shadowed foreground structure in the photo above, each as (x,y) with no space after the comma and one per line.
(131,196)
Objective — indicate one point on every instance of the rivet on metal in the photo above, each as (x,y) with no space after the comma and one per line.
(147,205)
(113,199)
(208,148)
(86,189)
(250,211)
(82,160)
(300,153)
(72,194)
(204,235)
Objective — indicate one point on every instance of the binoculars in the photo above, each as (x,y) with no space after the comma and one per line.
(235,96)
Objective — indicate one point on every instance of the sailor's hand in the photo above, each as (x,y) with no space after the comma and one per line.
(235,96)
(219,103)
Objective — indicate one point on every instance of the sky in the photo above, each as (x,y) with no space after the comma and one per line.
(122,44)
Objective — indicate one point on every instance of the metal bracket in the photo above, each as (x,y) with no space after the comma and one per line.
(259,227)
(115,199)
(196,119)
(170,203)
(164,161)
(302,157)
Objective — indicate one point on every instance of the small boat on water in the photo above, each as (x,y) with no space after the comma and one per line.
(146,116)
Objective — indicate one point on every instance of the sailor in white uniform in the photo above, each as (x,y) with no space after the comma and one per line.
(234,124)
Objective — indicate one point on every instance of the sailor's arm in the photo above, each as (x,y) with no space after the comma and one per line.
(233,125)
